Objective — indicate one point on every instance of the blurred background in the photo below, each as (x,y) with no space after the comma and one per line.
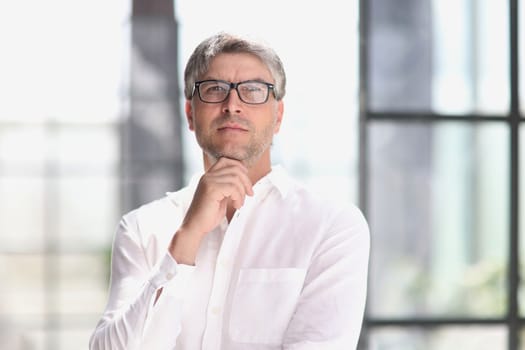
(412,109)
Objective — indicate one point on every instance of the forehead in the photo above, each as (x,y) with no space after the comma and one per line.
(238,67)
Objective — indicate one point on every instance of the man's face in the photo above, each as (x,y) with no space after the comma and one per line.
(232,128)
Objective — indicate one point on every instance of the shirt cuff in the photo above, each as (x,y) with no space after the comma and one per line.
(166,269)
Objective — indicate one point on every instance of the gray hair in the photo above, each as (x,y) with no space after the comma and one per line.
(200,60)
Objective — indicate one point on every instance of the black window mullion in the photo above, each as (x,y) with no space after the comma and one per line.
(514,259)
(363,104)
(427,322)
(363,140)
(430,117)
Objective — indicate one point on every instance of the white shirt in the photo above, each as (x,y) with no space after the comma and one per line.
(288,272)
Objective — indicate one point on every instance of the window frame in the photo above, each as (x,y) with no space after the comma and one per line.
(512,320)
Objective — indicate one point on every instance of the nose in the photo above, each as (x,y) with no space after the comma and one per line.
(233,103)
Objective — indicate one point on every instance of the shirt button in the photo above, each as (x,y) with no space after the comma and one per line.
(216,310)
(169,275)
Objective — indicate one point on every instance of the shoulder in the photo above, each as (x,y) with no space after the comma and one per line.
(158,215)
(335,215)
(167,203)
(333,229)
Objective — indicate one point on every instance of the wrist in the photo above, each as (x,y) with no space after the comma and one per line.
(184,246)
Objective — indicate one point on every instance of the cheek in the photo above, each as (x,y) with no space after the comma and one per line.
(201,126)
(196,123)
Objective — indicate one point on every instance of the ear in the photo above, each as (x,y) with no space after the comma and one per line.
(189,114)
(279,116)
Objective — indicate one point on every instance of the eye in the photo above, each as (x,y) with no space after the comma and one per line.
(214,88)
(253,88)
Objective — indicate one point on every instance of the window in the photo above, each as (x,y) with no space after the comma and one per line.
(59,156)
(441,154)
(90,125)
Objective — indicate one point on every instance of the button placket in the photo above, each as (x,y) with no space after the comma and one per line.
(221,279)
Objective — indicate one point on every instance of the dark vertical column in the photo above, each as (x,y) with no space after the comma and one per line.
(399,64)
(152,146)
(514,251)
(363,343)
(399,73)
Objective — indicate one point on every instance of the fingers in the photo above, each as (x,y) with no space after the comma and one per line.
(229,171)
(227,181)
(221,188)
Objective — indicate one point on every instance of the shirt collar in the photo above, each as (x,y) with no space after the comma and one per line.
(280,179)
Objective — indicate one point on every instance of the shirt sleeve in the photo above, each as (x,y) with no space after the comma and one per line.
(330,310)
(131,307)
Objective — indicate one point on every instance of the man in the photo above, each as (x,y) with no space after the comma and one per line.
(243,257)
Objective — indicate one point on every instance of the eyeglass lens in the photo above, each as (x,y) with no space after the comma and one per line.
(252,92)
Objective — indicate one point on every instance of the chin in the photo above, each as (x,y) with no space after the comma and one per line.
(243,158)
(240,158)
(233,153)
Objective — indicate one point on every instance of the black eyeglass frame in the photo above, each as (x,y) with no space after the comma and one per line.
(196,87)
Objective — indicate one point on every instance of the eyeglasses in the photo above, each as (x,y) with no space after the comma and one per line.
(252,92)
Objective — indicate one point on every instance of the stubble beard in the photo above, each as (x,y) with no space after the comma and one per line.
(248,153)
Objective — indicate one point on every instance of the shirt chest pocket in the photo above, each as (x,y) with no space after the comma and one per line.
(263,303)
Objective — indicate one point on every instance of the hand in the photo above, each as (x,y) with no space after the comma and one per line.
(226,182)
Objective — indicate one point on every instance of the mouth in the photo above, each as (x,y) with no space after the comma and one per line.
(232,127)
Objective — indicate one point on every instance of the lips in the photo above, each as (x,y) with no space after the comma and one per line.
(230,122)
(235,127)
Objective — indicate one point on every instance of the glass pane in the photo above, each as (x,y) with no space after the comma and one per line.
(438,211)
(442,56)
(17,332)
(68,338)
(446,338)
(29,150)
(78,73)
(88,212)
(82,283)
(73,213)
(23,224)
(522,339)
(87,149)
(23,149)
(22,291)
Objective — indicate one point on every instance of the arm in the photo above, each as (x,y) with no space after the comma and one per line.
(224,185)
(330,310)
(139,314)
(134,286)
